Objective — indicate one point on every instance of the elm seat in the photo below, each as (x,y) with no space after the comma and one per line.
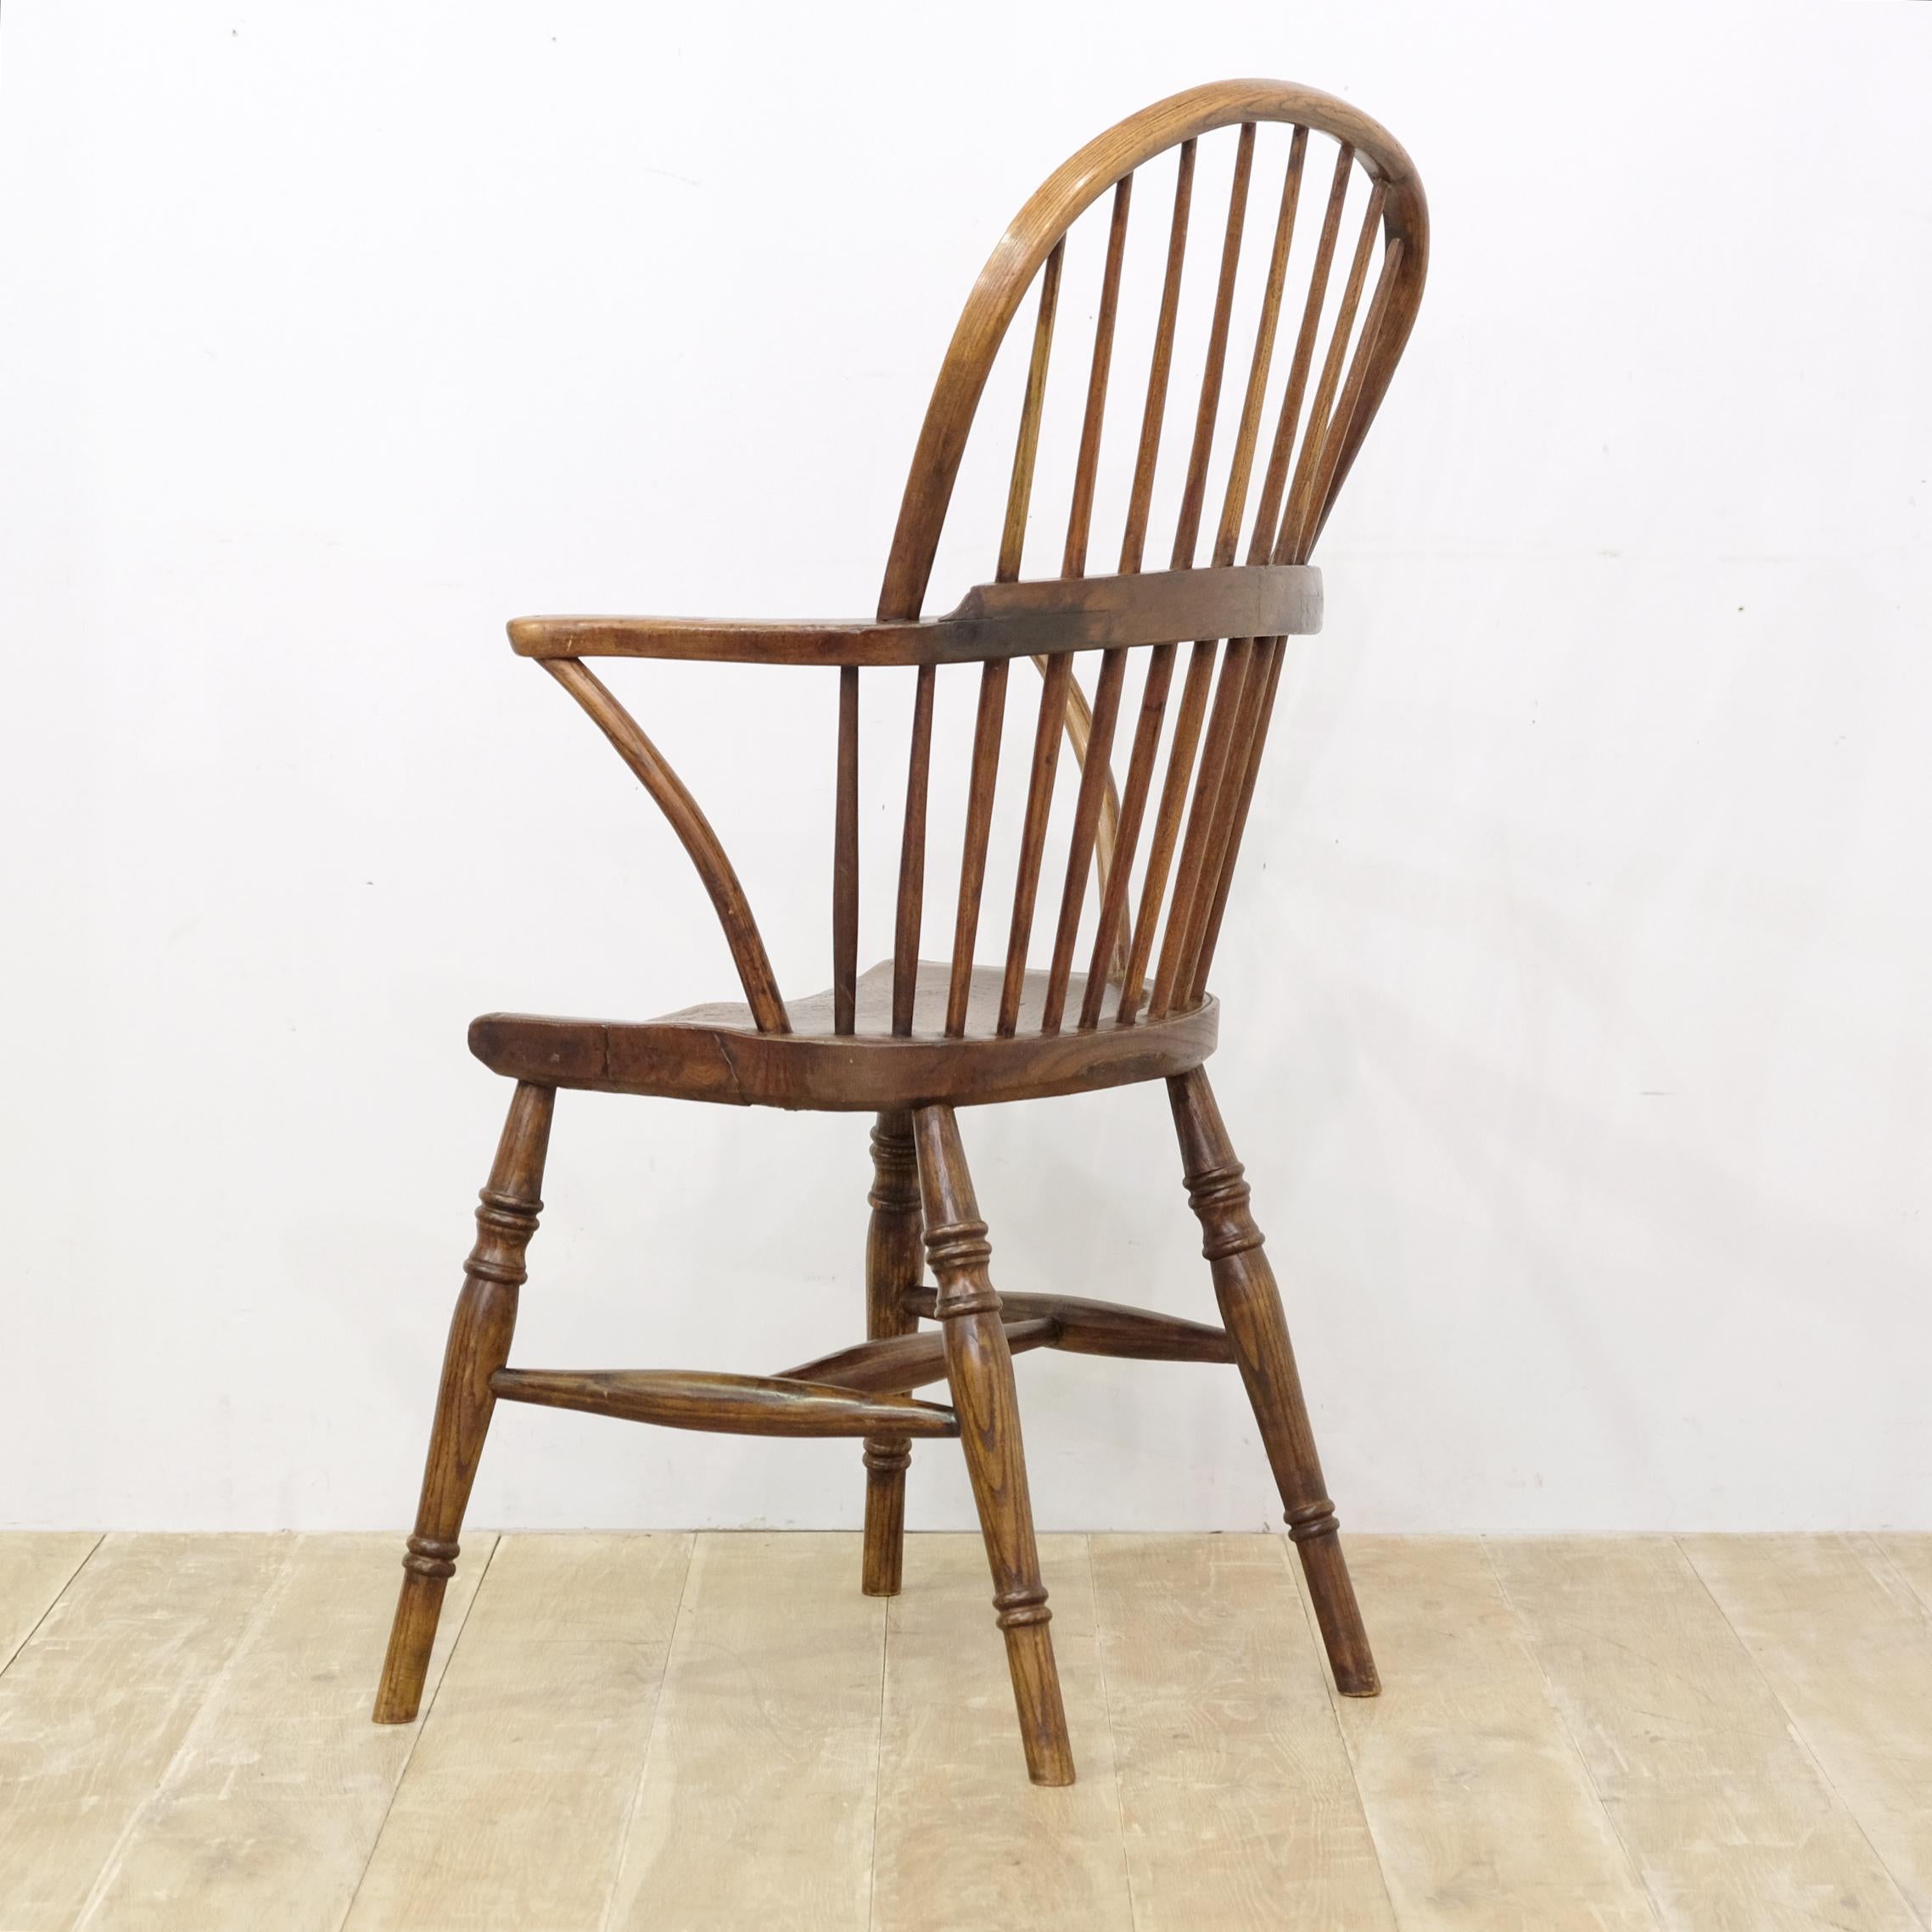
(716,1052)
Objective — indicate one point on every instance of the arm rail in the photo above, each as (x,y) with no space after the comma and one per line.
(1039,619)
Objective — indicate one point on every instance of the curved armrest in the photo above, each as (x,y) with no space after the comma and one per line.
(993,621)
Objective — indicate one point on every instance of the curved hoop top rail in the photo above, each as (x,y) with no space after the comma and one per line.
(1037,232)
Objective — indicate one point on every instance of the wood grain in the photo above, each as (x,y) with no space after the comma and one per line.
(895,1259)
(100,1699)
(685,816)
(1026,449)
(1251,1311)
(963,1844)
(1160,366)
(1079,518)
(980,1369)
(1095,777)
(514,1808)
(1269,531)
(1483,1812)
(181,1743)
(479,1344)
(1051,617)
(1238,1808)
(910,905)
(904,1362)
(845,855)
(989,726)
(1045,761)
(1233,499)
(717,1054)
(1083,1327)
(1911,1557)
(757,1803)
(1724,1813)
(738,1405)
(1846,1643)
(268,1812)
(1167,821)
(36,1566)
(1194,490)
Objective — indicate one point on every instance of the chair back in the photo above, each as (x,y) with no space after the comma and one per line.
(1161,849)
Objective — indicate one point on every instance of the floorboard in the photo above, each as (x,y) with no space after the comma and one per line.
(269,1810)
(965,1843)
(630,1732)
(759,1793)
(35,1567)
(1911,1557)
(1238,1807)
(1483,1813)
(513,1811)
(1725,1813)
(1847,1646)
(100,1698)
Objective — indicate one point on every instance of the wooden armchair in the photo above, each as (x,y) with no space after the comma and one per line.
(913,1040)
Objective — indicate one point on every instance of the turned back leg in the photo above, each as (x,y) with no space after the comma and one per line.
(479,1346)
(980,1367)
(894,1263)
(1251,1311)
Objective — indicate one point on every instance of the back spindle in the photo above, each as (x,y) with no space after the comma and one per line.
(1209,778)
(1240,469)
(1194,494)
(1296,528)
(1263,543)
(912,855)
(845,859)
(979,824)
(1133,537)
(1033,835)
(1086,818)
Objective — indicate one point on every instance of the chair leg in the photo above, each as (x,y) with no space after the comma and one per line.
(479,1346)
(894,1261)
(1251,1311)
(980,1369)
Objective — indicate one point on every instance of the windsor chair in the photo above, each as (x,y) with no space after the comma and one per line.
(912,1041)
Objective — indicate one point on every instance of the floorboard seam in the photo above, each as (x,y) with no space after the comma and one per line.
(1528,1642)
(1875,1552)
(1797,1730)
(1113,1736)
(693,1539)
(1291,1564)
(888,1605)
(53,1603)
(422,1724)
(272,1592)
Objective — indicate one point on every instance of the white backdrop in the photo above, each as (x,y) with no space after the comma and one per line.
(1578,1036)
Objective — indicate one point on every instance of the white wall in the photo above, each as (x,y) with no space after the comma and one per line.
(1578,1035)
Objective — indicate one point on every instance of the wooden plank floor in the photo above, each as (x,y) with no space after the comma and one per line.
(717,1731)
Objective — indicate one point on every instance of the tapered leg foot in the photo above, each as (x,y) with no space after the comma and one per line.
(894,1263)
(980,1367)
(1251,1311)
(479,1346)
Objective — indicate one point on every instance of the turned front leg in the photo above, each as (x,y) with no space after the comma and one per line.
(894,1263)
(980,1367)
(477,1347)
(1251,1312)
